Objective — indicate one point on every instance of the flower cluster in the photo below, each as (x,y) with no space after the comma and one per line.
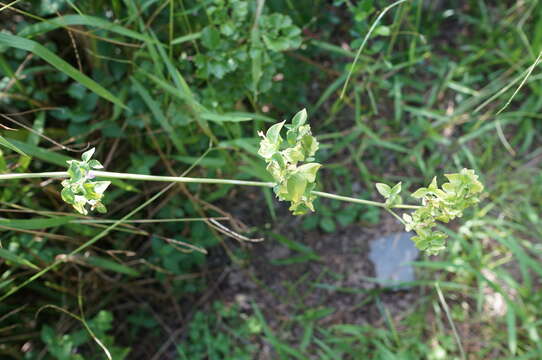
(294,182)
(461,191)
(79,190)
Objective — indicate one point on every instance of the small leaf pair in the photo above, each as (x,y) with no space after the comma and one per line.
(390,193)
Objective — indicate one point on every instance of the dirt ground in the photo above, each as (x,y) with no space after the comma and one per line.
(340,280)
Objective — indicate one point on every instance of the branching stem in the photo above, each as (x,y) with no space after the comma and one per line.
(182,179)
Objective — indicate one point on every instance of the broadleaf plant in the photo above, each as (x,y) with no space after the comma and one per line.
(291,163)
(293,182)
(241,51)
(79,190)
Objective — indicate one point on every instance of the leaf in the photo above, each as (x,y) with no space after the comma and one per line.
(396,189)
(9,256)
(67,195)
(296,187)
(512,331)
(383,189)
(101,186)
(10,146)
(36,223)
(50,157)
(111,265)
(327,224)
(300,118)
(382,30)
(210,37)
(267,149)
(184,38)
(227,117)
(61,65)
(95,164)
(88,154)
(159,115)
(293,155)
(69,20)
(309,171)
(273,133)
(420,193)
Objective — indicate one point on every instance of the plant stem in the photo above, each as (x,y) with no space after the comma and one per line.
(182,179)
(360,201)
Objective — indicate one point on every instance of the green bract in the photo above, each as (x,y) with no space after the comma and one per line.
(461,191)
(294,182)
(79,190)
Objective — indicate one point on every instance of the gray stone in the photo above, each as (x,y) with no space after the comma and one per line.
(390,256)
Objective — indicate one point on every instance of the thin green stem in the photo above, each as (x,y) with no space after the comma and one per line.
(182,179)
(360,201)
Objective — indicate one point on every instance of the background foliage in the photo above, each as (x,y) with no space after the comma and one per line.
(182,87)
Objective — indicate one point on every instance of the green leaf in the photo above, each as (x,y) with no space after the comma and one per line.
(382,30)
(327,224)
(111,265)
(512,330)
(70,20)
(383,189)
(101,186)
(88,154)
(420,193)
(10,146)
(267,149)
(210,37)
(296,187)
(67,195)
(309,171)
(50,157)
(273,133)
(184,38)
(9,256)
(227,117)
(36,223)
(45,54)
(95,164)
(293,155)
(396,189)
(100,208)
(300,118)
(159,115)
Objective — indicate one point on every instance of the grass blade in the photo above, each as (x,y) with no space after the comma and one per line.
(36,223)
(386,9)
(9,256)
(10,146)
(70,20)
(159,115)
(39,50)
